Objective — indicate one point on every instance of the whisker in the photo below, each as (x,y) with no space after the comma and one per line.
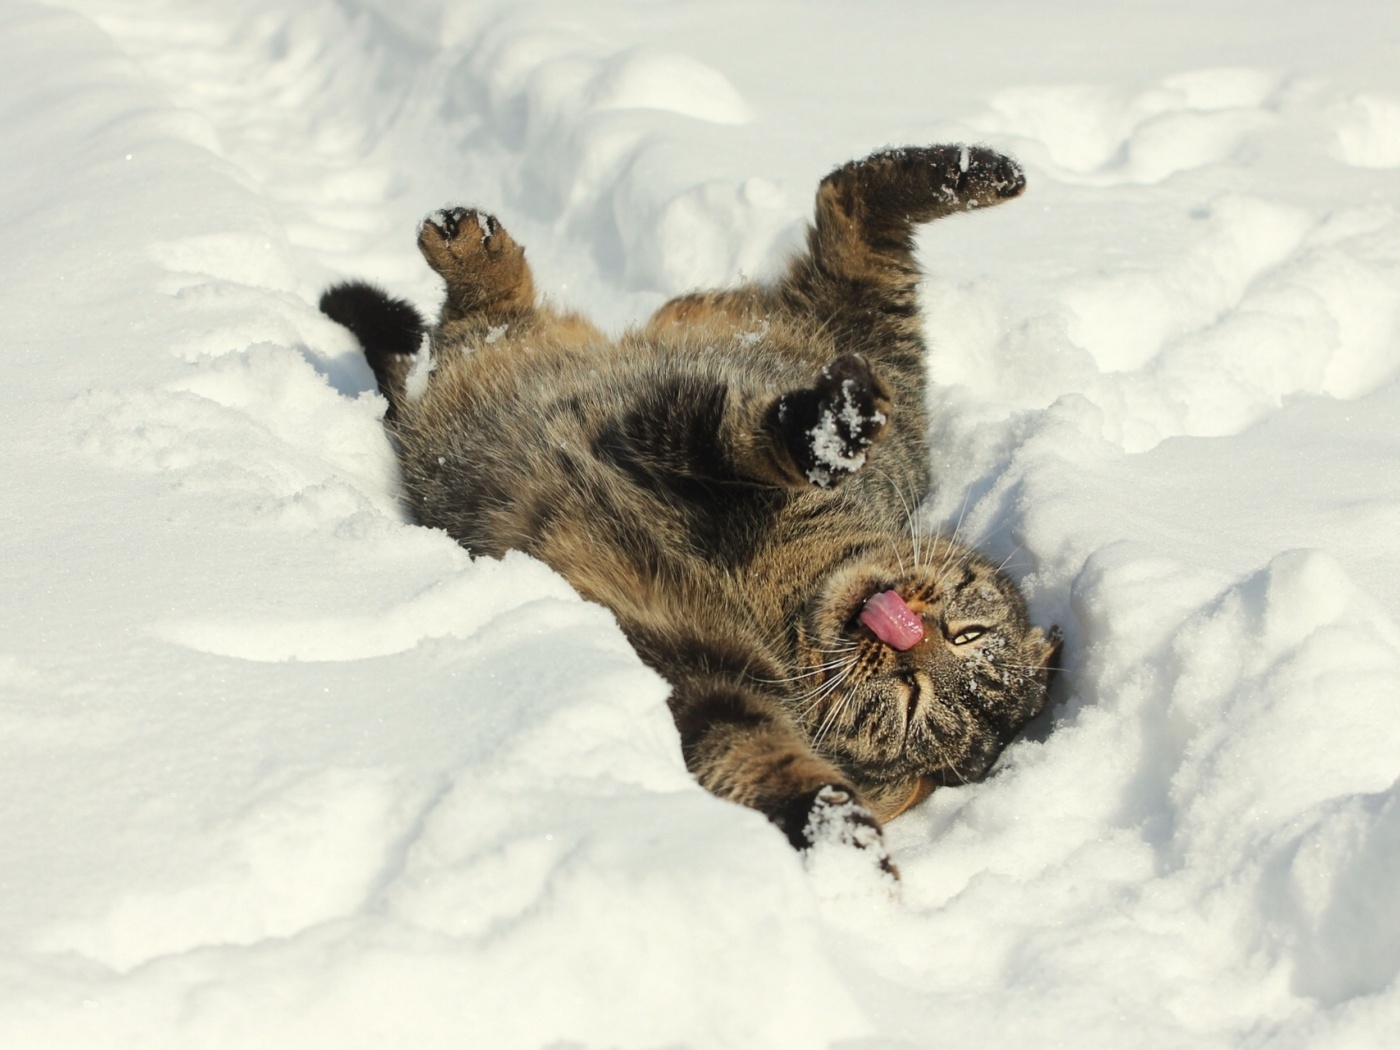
(951,566)
(844,647)
(835,718)
(947,545)
(948,762)
(833,715)
(918,540)
(821,692)
(961,514)
(820,668)
(908,517)
(843,667)
(829,722)
(815,698)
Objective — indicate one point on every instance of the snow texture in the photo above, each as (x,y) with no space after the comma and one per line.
(837,438)
(282,771)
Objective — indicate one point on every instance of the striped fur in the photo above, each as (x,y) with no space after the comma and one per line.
(734,480)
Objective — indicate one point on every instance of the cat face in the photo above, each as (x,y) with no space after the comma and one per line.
(940,711)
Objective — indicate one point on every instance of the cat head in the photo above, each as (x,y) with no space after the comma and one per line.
(901,722)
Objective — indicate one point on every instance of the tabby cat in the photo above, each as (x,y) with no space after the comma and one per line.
(735,480)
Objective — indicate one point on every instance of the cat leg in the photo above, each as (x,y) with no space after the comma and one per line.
(858,277)
(740,746)
(862,238)
(867,210)
(734,309)
(484,269)
(698,428)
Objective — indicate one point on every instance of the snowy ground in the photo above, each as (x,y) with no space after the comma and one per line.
(281,771)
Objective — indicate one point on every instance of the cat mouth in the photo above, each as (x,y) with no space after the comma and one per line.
(889,618)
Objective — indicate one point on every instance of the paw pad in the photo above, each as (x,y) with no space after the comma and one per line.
(453,224)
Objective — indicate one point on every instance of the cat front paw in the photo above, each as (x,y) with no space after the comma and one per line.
(829,428)
(832,816)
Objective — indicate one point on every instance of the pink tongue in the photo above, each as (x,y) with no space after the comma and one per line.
(893,622)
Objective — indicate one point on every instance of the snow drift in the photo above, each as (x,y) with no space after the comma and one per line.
(281,770)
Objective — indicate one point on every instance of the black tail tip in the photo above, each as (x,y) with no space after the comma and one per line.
(382,324)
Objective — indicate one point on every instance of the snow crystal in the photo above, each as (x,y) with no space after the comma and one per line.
(830,450)
(833,450)
(752,338)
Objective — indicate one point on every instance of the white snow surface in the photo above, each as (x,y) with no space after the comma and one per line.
(282,771)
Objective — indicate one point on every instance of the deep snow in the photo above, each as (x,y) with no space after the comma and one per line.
(280,770)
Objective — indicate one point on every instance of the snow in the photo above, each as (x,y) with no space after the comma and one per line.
(283,771)
(831,451)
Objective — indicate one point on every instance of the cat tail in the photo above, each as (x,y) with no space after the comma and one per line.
(390,332)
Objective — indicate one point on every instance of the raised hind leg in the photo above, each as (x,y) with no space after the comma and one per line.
(858,277)
(490,290)
(484,269)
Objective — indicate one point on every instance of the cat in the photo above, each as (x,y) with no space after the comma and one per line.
(736,481)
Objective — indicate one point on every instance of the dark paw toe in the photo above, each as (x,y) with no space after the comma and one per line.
(445,222)
(462,228)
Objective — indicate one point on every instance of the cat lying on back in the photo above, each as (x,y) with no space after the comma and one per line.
(736,481)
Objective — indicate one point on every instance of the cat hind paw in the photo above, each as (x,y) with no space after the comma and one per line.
(454,238)
(483,266)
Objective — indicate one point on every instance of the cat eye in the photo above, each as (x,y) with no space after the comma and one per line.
(968,634)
